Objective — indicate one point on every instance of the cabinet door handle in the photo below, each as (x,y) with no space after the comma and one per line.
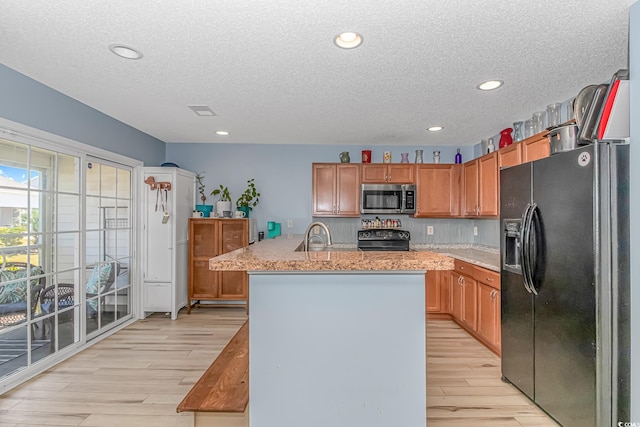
(334,209)
(489,279)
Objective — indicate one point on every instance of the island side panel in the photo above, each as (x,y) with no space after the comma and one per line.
(338,350)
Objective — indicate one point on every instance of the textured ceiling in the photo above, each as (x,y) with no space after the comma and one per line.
(271,73)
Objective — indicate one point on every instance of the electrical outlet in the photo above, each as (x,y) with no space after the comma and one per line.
(430,230)
(289,223)
(475,231)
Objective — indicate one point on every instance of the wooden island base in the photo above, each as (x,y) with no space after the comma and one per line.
(221,395)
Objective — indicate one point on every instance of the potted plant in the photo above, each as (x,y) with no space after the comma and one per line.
(204,208)
(224,203)
(249,199)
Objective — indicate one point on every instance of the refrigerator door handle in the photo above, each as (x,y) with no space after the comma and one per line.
(527,262)
(524,249)
(533,242)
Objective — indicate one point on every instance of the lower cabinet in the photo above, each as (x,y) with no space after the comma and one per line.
(157,296)
(209,237)
(463,300)
(489,314)
(472,297)
(437,292)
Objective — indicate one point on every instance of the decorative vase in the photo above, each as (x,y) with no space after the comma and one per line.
(436,157)
(245,209)
(405,158)
(222,206)
(418,156)
(505,138)
(344,157)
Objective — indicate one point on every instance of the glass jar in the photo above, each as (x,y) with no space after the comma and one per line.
(517,131)
(538,121)
(528,128)
(418,156)
(553,114)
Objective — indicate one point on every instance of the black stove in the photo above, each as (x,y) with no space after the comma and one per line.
(383,239)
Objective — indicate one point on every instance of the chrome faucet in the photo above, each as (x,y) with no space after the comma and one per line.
(310,227)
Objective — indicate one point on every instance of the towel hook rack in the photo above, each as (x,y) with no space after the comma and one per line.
(162,185)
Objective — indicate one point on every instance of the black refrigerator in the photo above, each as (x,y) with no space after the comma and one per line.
(565,283)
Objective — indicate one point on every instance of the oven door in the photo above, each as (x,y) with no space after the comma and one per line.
(381,198)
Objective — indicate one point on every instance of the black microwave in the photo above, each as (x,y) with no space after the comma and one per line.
(388,198)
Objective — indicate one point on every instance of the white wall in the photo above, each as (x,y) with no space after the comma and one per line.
(634,190)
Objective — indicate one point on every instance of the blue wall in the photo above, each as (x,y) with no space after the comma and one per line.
(28,102)
(283,176)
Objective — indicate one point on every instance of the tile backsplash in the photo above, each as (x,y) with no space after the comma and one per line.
(445,231)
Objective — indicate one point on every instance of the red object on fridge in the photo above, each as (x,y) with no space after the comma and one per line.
(505,137)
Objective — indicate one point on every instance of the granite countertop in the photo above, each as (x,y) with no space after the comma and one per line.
(481,256)
(280,254)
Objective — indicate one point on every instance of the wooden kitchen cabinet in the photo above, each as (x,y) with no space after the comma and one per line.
(388,173)
(481,197)
(209,237)
(474,302)
(489,308)
(437,292)
(470,188)
(535,147)
(336,189)
(464,303)
(511,155)
(438,188)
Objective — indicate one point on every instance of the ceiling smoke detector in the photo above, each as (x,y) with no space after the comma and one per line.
(124,51)
(348,40)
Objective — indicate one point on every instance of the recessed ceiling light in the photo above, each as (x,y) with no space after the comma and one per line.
(490,85)
(201,110)
(222,133)
(126,52)
(435,128)
(348,40)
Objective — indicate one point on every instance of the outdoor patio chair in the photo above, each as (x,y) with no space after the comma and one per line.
(101,278)
(13,292)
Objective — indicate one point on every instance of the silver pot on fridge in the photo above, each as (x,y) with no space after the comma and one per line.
(563,138)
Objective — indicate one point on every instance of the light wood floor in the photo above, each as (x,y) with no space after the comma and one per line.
(138,376)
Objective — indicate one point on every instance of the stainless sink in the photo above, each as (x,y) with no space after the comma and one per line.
(328,248)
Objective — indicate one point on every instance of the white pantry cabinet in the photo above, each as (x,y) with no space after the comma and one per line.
(164,247)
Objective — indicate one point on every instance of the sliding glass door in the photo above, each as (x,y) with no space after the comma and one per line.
(65,251)
(108,240)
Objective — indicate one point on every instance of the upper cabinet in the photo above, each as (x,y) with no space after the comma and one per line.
(530,149)
(510,155)
(438,187)
(535,147)
(336,189)
(380,173)
(481,186)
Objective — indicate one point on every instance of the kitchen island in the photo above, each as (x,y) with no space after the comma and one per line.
(336,338)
